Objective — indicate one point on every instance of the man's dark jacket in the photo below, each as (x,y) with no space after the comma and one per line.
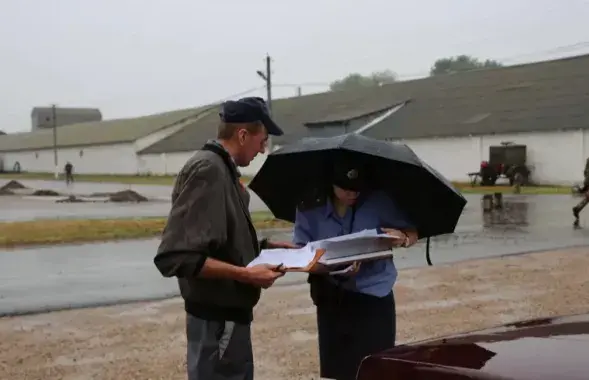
(210,218)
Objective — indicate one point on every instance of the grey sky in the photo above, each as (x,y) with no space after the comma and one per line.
(133,57)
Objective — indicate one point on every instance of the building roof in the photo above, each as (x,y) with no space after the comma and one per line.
(291,114)
(541,96)
(68,111)
(97,133)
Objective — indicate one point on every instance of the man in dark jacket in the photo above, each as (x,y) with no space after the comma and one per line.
(69,173)
(585,193)
(209,239)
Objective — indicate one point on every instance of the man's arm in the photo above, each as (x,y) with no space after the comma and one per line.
(196,232)
(196,228)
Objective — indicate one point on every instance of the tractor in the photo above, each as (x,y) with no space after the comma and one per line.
(507,160)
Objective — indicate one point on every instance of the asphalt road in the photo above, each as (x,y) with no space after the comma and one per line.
(16,208)
(52,278)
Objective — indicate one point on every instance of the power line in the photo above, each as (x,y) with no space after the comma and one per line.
(238,94)
(555,50)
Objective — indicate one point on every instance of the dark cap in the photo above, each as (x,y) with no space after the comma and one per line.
(249,110)
(348,175)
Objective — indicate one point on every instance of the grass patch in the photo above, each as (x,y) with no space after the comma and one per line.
(466,188)
(46,232)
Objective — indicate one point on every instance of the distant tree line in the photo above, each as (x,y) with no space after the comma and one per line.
(441,66)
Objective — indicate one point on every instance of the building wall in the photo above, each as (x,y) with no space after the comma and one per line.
(555,157)
(105,159)
(171,163)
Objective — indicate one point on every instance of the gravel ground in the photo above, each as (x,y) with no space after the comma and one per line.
(146,341)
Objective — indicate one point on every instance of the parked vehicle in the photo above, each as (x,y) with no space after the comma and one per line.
(507,160)
(540,349)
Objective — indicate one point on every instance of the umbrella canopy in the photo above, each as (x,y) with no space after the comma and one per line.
(290,173)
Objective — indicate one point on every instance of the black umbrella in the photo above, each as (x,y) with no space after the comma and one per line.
(290,172)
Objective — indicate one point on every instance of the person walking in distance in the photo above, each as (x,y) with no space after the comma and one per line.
(69,173)
(585,193)
(209,239)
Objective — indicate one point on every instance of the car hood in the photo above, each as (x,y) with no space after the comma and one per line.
(550,348)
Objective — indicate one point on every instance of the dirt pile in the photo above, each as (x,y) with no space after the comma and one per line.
(13,185)
(126,196)
(70,199)
(8,188)
(45,193)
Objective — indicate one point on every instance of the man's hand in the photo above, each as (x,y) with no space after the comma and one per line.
(281,244)
(262,275)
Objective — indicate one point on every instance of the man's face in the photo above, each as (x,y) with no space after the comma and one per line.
(251,144)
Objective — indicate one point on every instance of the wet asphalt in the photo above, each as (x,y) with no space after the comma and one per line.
(59,277)
(16,208)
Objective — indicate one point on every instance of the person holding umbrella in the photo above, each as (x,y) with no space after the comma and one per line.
(355,313)
(331,186)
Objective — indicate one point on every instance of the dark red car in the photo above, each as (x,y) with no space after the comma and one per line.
(541,349)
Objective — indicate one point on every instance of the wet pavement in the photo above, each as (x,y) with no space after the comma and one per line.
(16,208)
(52,278)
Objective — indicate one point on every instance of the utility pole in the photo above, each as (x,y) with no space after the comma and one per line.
(54,120)
(267,77)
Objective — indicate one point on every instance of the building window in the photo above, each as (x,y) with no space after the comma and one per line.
(81,153)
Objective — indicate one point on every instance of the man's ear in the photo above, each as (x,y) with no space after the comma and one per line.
(241,133)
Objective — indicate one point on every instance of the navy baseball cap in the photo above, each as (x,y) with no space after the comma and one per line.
(249,110)
(348,175)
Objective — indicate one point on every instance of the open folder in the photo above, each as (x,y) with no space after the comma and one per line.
(340,250)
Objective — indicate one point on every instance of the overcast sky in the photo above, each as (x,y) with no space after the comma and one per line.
(134,57)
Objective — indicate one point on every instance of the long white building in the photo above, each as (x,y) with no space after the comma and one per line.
(450,121)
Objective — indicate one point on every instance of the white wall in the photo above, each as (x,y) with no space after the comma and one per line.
(171,163)
(102,159)
(164,163)
(555,157)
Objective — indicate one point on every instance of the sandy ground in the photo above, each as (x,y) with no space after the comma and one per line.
(146,341)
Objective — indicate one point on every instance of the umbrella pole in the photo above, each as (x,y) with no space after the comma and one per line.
(427,256)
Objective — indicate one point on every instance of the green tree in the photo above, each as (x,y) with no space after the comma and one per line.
(461,63)
(356,80)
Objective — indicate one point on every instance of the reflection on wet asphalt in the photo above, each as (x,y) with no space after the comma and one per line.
(31,208)
(67,276)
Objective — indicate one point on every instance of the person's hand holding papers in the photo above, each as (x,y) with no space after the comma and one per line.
(408,237)
(347,271)
(263,275)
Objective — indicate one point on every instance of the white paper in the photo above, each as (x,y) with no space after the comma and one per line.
(358,246)
(358,257)
(290,258)
(363,245)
